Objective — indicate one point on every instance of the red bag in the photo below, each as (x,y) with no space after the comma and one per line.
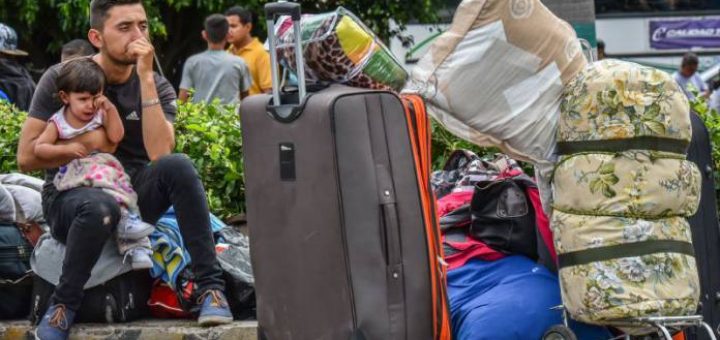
(31,231)
(164,303)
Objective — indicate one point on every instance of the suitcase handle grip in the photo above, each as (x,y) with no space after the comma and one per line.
(288,111)
(283,8)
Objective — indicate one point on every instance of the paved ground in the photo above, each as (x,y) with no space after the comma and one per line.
(141,330)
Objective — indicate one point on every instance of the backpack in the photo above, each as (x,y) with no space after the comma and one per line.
(20,226)
(113,293)
(490,209)
(15,273)
(121,299)
(503,216)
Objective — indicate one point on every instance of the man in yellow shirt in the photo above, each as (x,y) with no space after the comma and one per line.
(244,45)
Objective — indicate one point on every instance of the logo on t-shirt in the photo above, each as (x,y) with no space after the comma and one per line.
(132,116)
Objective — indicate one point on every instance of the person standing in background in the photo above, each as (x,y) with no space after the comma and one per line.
(600,50)
(715,97)
(15,80)
(215,73)
(244,45)
(76,48)
(687,76)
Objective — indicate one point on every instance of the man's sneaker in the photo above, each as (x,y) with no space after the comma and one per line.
(215,309)
(132,227)
(55,324)
(141,258)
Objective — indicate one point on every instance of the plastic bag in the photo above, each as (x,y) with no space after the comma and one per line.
(233,254)
(497,75)
(339,48)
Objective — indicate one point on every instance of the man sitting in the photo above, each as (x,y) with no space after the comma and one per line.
(84,218)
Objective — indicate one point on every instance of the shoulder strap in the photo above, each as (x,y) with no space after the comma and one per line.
(458,218)
(525,181)
(19,213)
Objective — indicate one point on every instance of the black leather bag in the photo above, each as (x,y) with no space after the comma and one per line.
(503,217)
(15,274)
(122,299)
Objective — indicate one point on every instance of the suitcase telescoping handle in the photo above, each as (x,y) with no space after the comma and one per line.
(285,112)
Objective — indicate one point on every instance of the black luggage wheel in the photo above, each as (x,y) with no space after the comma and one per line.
(559,332)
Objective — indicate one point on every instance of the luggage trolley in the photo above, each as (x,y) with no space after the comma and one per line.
(663,324)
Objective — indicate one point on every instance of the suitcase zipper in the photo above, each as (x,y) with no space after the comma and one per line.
(414,106)
(15,252)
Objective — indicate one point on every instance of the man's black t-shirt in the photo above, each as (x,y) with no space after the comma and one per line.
(126,97)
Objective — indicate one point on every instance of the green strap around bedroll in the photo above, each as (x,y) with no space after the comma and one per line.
(581,257)
(620,145)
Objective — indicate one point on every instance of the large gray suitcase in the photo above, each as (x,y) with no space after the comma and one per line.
(338,236)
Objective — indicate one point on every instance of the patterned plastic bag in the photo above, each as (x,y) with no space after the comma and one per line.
(339,48)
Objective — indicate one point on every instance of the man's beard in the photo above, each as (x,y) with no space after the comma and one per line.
(124,60)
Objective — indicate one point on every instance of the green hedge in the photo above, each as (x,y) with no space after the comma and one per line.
(11,120)
(712,122)
(210,134)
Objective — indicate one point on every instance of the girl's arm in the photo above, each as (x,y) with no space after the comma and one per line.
(46,149)
(111,120)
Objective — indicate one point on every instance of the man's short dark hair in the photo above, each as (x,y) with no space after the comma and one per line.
(77,48)
(216,27)
(690,59)
(81,75)
(243,14)
(100,8)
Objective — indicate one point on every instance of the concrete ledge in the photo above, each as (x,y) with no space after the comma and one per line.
(141,330)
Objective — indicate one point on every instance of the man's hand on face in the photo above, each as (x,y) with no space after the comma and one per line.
(143,51)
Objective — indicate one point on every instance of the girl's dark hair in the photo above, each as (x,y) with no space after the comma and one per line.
(81,75)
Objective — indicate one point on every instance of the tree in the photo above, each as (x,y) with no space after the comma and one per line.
(44,25)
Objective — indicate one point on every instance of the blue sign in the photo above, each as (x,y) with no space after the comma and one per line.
(685,34)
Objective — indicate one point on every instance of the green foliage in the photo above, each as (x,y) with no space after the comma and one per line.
(72,15)
(712,122)
(377,14)
(69,19)
(444,143)
(175,25)
(210,135)
(12,120)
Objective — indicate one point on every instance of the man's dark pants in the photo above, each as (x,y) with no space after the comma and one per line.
(84,218)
